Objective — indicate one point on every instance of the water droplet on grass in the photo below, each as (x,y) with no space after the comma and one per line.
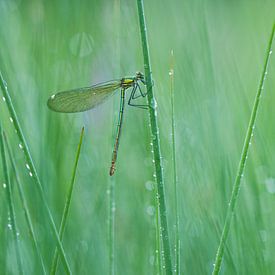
(153,103)
(20,146)
(4,99)
(149,185)
(4,185)
(171,72)
(150,210)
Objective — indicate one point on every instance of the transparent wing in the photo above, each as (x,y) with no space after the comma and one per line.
(82,99)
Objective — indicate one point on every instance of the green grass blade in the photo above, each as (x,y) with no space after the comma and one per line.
(111,226)
(23,145)
(10,202)
(25,205)
(177,239)
(158,242)
(67,204)
(155,140)
(240,171)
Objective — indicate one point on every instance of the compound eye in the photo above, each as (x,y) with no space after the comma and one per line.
(139,75)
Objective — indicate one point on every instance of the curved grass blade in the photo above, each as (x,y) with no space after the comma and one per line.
(237,184)
(82,99)
(10,202)
(24,147)
(25,206)
(67,204)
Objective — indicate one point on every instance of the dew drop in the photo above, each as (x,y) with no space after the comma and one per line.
(27,166)
(53,96)
(150,210)
(270,52)
(11,120)
(149,185)
(30,174)
(4,185)
(4,99)
(20,146)
(17,234)
(153,103)
(9,226)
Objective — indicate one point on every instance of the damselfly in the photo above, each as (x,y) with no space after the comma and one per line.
(83,99)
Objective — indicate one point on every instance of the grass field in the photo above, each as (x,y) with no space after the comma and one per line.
(219,53)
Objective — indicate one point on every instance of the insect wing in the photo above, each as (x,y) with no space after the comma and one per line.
(79,100)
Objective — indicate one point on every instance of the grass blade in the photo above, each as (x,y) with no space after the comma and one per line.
(177,239)
(158,243)
(111,226)
(33,173)
(237,184)
(24,204)
(67,204)
(155,140)
(10,202)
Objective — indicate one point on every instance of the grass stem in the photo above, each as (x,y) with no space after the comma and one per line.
(177,239)
(24,205)
(33,173)
(67,205)
(7,187)
(242,163)
(155,140)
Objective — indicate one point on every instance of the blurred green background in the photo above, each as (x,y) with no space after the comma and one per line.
(219,50)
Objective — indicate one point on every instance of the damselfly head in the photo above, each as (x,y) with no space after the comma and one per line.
(139,76)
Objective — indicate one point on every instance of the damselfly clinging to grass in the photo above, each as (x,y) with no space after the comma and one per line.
(83,99)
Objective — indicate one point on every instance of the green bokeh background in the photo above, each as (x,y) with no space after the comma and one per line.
(219,50)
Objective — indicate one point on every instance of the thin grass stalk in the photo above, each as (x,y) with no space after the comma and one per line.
(10,203)
(112,181)
(25,205)
(240,171)
(155,140)
(177,239)
(111,226)
(158,242)
(32,173)
(67,205)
